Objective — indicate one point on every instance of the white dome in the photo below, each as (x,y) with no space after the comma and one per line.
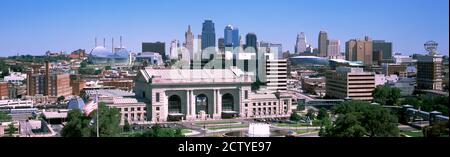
(100,51)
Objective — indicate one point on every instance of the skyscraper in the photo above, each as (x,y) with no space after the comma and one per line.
(228,36)
(300,46)
(208,35)
(334,48)
(251,43)
(359,50)
(221,42)
(382,50)
(189,40)
(323,37)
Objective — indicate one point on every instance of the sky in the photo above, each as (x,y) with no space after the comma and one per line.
(35,26)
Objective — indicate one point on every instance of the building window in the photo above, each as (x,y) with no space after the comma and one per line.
(125,109)
(143,94)
(254,104)
(246,105)
(157,97)
(139,109)
(145,108)
(246,94)
(132,109)
(270,103)
(157,108)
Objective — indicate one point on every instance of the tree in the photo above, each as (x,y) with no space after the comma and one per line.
(158,131)
(61,98)
(80,125)
(311,114)
(11,130)
(348,125)
(108,67)
(437,130)
(126,126)
(386,95)
(358,118)
(295,117)
(322,114)
(5,117)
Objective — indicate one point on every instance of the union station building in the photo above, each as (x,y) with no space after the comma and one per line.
(206,94)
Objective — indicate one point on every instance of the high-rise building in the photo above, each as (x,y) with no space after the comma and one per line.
(208,35)
(251,43)
(382,50)
(429,69)
(323,38)
(232,37)
(189,41)
(359,50)
(354,83)
(222,44)
(334,48)
(300,46)
(228,36)
(199,44)
(174,49)
(276,75)
(276,50)
(158,47)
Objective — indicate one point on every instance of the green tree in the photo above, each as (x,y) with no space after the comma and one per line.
(61,99)
(11,130)
(108,67)
(437,130)
(126,126)
(322,114)
(158,131)
(311,114)
(295,117)
(5,117)
(80,125)
(386,95)
(348,125)
(358,118)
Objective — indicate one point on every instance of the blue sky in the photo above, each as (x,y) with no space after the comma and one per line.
(34,26)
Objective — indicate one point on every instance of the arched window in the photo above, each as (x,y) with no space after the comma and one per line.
(227,102)
(174,104)
(201,102)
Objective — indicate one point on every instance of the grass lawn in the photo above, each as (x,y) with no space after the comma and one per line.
(211,123)
(305,131)
(227,127)
(412,133)
(290,125)
(186,131)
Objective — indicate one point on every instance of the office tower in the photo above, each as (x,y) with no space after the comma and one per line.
(359,50)
(228,36)
(251,43)
(189,40)
(158,47)
(277,49)
(300,46)
(174,49)
(346,82)
(323,38)
(221,44)
(334,48)
(382,50)
(208,35)
(236,38)
(276,75)
(429,69)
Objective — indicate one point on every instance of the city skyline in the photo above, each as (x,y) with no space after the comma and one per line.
(34,27)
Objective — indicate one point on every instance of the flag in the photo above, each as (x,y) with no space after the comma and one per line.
(91,106)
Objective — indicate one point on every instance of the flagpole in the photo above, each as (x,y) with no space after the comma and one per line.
(98,107)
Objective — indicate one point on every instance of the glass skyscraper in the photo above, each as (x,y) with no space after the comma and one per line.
(231,36)
(208,35)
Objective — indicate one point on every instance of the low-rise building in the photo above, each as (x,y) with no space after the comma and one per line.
(354,83)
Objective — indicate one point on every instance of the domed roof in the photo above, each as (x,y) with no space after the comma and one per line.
(100,51)
(122,52)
